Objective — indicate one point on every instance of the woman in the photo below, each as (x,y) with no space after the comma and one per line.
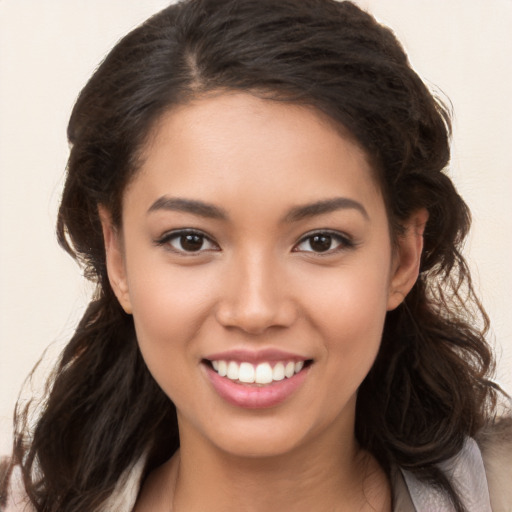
(257,189)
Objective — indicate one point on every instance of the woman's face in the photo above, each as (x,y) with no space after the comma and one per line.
(255,242)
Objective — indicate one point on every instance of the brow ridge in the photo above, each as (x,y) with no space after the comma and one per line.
(325,206)
(295,214)
(193,206)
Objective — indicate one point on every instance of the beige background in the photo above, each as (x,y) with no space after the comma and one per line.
(48,49)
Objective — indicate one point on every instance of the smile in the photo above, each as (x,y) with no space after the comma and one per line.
(253,381)
(262,373)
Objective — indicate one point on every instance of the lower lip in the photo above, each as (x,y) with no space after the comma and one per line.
(255,397)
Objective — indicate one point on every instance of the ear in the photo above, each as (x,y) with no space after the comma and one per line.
(115,261)
(407,258)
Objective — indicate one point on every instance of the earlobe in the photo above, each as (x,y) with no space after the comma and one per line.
(115,259)
(407,259)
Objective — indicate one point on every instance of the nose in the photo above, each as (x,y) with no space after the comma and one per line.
(256,297)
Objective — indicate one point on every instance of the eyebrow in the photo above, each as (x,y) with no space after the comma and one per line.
(189,206)
(297,213)
(325,206)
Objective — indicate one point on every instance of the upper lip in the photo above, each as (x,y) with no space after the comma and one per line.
(256,356)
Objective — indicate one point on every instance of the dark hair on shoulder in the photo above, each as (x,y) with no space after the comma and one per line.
(428,388)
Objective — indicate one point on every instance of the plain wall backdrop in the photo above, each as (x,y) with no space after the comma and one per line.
(49,48)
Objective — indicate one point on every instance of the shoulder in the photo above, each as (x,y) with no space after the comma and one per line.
(12,492)
(481,473)
(495,443)
(465,472)
(13,497)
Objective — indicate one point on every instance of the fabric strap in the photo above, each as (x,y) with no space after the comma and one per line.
(466,472)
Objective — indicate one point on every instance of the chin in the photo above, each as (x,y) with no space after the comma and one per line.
(261,447)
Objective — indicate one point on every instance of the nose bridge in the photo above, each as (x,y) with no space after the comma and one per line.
(255,297)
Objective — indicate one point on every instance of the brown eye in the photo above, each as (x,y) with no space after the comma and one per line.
(323,242)
(191,242)
(320,243)
(187,242)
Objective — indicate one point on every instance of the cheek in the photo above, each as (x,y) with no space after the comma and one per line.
(169,308)
(350,312)
(167,300)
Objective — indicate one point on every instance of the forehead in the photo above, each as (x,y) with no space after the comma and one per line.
(231,144)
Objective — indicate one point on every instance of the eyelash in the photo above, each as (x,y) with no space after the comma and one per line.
(343,242)
(167,238)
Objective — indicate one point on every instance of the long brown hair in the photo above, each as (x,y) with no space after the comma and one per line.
(428,388)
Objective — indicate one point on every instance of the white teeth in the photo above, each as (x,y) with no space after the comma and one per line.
(246,373)
(278,372)
(233,371)
(223,368)
(262,373)
(289,369)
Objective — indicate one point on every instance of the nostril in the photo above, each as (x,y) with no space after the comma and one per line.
(256,318)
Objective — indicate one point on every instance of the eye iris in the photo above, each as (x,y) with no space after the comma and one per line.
(320,243)
(191,242)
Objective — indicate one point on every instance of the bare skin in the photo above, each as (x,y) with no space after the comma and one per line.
(243,271)
(366,490)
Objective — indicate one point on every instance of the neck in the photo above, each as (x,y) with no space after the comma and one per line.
(319,476)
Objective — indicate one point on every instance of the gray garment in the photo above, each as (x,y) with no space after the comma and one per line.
(465,471)
(402,501)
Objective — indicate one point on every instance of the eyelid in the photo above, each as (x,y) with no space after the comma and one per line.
(164,240)
(345,241)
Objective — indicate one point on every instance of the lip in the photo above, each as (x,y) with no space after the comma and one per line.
(250,396)
(268,355)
